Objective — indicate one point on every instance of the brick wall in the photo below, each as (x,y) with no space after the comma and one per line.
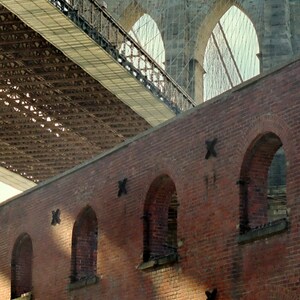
(262,264)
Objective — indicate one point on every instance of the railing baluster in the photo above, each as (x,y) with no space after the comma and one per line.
(97,18)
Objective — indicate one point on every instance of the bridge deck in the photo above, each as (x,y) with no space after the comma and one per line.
(60,93)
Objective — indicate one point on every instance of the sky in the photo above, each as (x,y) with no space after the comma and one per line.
(243,43)
(7,191)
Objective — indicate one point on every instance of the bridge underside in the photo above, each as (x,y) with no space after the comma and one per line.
(53,114)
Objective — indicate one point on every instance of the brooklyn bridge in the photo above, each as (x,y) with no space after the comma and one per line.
(150,149)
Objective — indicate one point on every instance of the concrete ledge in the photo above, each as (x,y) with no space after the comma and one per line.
(83,283)
(160,261)
(25,296)
(263,231)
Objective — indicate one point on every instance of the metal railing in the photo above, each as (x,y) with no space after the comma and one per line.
(97,23)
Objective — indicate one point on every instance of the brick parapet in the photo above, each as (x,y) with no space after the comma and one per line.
(208,216)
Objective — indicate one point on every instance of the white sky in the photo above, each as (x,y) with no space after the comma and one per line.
(7,191)
(242,39)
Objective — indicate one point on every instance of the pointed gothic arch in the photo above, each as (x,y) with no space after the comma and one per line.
(217,33)
(130,15)
(231,54)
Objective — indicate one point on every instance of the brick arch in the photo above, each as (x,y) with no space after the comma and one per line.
(211,19)
(267,123)
(160,218)
(84,245)
(21,266)
(254,181)
(215,13)
(162,166)
(259,126)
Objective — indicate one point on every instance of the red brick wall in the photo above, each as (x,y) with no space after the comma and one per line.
(208,213)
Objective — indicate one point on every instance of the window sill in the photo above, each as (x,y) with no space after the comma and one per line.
(25,296)
(159,261)
(263,231)
(84,282)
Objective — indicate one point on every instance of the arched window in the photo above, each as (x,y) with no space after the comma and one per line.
(263,183)
(231,53)
(21,268)
(160,221)
(84,246)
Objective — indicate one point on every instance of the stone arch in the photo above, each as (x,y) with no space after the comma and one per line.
(160,219)
(130,15)
(21,267)
(259,204)
(150,36)
(84,245)
(204,32)
(134,11)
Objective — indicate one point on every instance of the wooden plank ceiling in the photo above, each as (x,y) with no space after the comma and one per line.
(53,115)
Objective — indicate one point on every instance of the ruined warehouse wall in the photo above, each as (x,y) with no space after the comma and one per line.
(208,207)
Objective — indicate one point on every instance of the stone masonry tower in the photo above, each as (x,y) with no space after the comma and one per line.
(186,26)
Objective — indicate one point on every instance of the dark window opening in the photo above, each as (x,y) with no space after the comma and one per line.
(263,184)
(160,220)
(172,224)
(21,267)
(277,187)
(84,246)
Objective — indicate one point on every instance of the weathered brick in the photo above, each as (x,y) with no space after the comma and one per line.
(208,214)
